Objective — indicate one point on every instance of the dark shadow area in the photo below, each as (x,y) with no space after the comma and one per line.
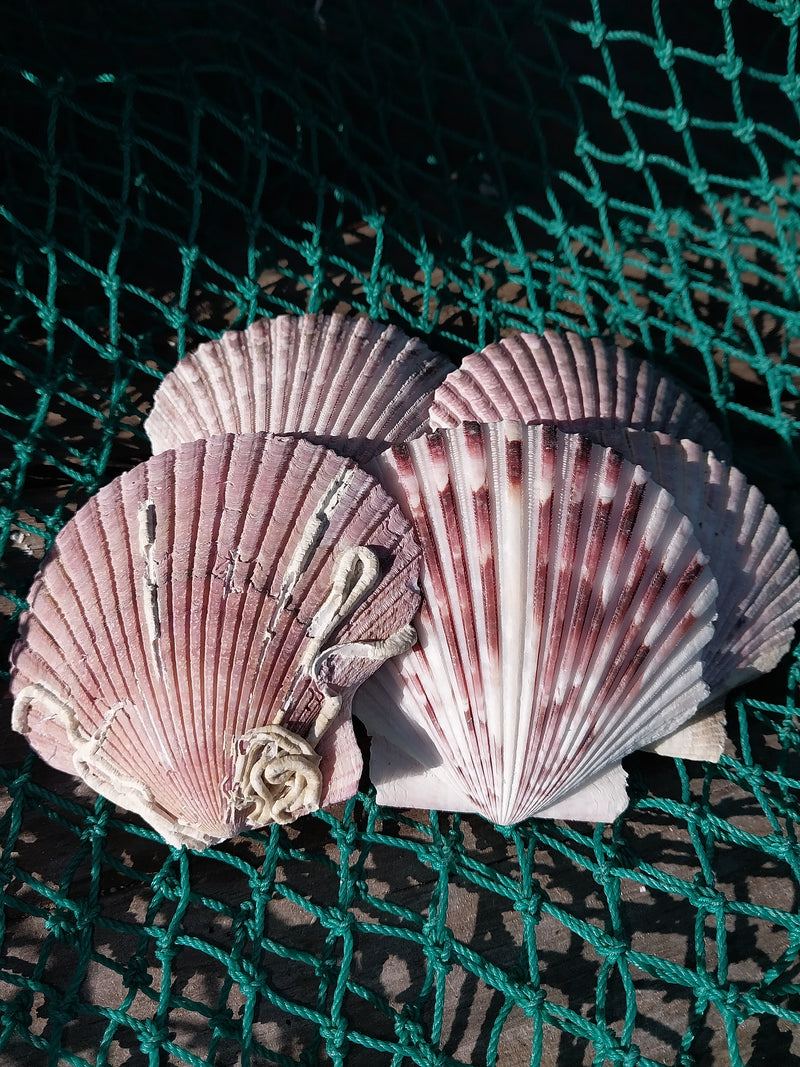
(217,138)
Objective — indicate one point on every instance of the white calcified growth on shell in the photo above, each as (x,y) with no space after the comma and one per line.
(309,541)
(349,383)
(566,607)
(90,764)
(276,775)
(276,770)
(144,660)
(355,574)
(147,539)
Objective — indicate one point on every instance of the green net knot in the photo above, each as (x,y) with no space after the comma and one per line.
(699,180)
(61,924)
(338,922)
(664,52)
(152,1038)
(730,66)
(530,907)
(615,952)
(678,118)
(597,34)
(334,1035)
(96,828)
(166,884)
(17,1013)
(745,131)
(410,1033)
(616,103)
(441,955)
(136,975)
(532,1001)
(408,1028)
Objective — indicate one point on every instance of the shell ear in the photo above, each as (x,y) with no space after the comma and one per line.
(171,655)
(348,383)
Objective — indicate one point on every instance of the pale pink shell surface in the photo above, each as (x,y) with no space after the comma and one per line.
(566,608)
(565,380)
(348,383)
(198,628)
(749,551)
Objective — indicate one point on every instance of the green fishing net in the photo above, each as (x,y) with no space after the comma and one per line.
(464,170)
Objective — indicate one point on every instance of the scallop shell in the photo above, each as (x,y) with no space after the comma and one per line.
(197,631)
(566,380)
(566,607)
(348,383)
(750,553)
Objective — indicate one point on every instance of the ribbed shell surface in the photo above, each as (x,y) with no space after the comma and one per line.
(172,616)
(585,387)
(564,380)
(566,606)
(749,552)
(348,383)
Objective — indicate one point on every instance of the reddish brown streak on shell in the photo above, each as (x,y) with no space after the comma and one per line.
(631,512)
(514,462)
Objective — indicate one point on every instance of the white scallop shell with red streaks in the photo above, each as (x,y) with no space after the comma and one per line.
(566,607)
(197,630)
(749,551)
(565,379)
(348,383)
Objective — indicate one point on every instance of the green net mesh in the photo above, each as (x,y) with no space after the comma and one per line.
(465,170)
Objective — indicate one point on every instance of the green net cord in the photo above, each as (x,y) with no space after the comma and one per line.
(465,170)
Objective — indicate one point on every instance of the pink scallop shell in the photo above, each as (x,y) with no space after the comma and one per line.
(348,383)
(749,551)
(566,380)
(566,607)
(208,614)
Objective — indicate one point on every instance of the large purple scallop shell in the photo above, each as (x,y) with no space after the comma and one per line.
(587,387)
(198,628)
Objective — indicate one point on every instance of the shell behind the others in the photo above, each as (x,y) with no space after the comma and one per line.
(749,551)
(570,381)
(348,383)
(566,607)
(198,628)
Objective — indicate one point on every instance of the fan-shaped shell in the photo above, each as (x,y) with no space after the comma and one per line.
(197,630)
(750,552)
(566,606)
(566,380)
(348,383)
(572,382)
